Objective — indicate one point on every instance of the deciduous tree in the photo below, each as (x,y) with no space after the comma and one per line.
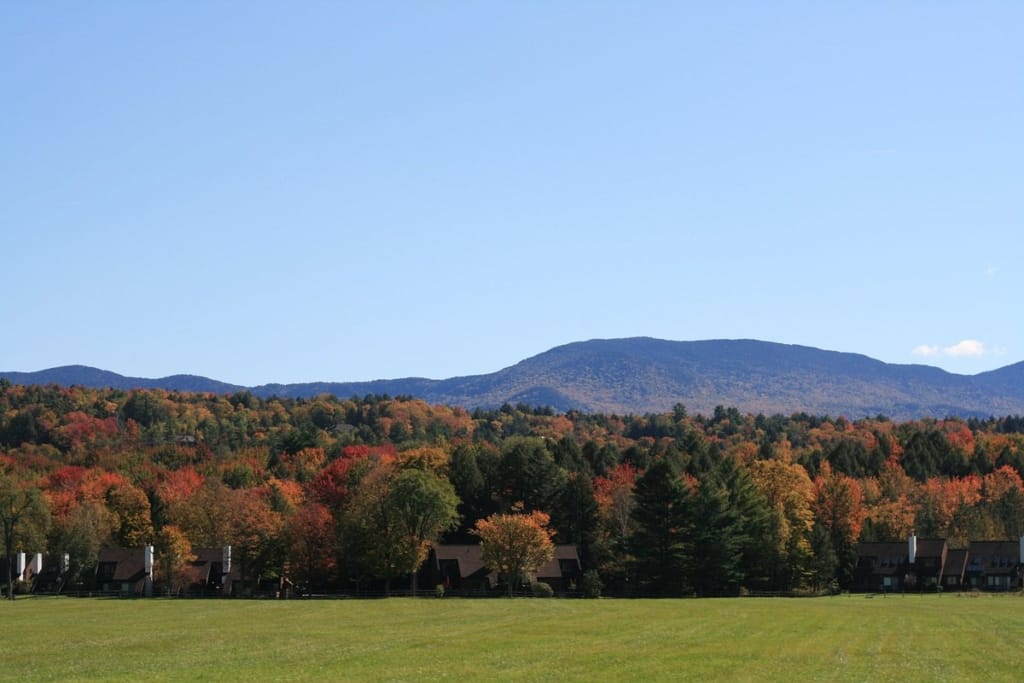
(514,544)
(24,518)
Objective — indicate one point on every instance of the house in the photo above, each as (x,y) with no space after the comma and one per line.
(24,569)
(927,561)
(211,572)
(460,568)
(23,566)
(915,565)
(127,571)
(562,572)
(994,565)
(881,567)
(953,570)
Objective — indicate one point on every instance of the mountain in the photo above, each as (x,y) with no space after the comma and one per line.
(650,375)
(83,375)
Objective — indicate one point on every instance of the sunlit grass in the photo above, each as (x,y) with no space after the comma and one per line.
(913,638)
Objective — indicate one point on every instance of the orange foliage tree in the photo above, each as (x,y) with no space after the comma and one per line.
(515,544)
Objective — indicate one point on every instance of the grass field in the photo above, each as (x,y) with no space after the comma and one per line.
(850,638)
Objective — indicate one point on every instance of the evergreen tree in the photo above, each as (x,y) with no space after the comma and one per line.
(715,564)
(661,543)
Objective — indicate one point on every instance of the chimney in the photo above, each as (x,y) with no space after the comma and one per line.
(147,567)
(19,566)
(226,559)
(65,563)
(38,568)
(912,548)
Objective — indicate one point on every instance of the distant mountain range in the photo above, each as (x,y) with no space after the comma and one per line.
(639,375)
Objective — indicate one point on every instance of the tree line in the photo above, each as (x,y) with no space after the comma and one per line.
(341,492)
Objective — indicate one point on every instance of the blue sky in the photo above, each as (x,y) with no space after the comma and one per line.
(283,192)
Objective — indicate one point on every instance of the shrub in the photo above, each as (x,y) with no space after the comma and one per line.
(439,590)
(591,584)
(542,590)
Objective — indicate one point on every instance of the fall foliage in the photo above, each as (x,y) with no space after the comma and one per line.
(317,488)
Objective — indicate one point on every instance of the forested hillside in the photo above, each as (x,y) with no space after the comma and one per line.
(671,503)
(641,375)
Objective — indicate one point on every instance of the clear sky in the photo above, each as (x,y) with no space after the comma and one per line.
(295,191)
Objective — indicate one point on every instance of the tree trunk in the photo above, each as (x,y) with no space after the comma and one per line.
(9,549)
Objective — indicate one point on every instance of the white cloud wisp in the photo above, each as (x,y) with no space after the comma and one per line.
(967,347)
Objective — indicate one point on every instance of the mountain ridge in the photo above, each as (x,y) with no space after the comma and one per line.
(643,374)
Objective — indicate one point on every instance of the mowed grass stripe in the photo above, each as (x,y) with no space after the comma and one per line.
(913,638)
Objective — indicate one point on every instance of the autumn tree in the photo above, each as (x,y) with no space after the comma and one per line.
(24,517)
(789,493)
(82,533)
(132,510)
(515,543)
(311,539)
(838,508)
(173,556)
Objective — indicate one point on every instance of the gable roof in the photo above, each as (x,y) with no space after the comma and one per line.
(930,547)
(956,562)
(993,557)
(130,563)
(553,567)
(468,557)
(471,562)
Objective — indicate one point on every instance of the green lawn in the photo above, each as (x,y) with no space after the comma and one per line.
(914,638)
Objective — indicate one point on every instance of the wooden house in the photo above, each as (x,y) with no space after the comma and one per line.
(953,571)
(126,571)
(211,572)
(460,569)
(881,567)
(562,572)
(916,564)
(994,565)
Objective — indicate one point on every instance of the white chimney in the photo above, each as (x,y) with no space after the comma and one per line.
(38,569)
(19,566)
(65,563)
(225,559)
(147,566)
(912,548)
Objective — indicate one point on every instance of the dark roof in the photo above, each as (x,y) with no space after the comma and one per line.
(993,557)
(468,557)
(198,571)
(930,547)
(470,561)
(884,558)
(956,562)
(131,563)
(553,567)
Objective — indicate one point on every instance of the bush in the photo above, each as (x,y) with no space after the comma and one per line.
(591,584)
(439,590)
(542,590)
